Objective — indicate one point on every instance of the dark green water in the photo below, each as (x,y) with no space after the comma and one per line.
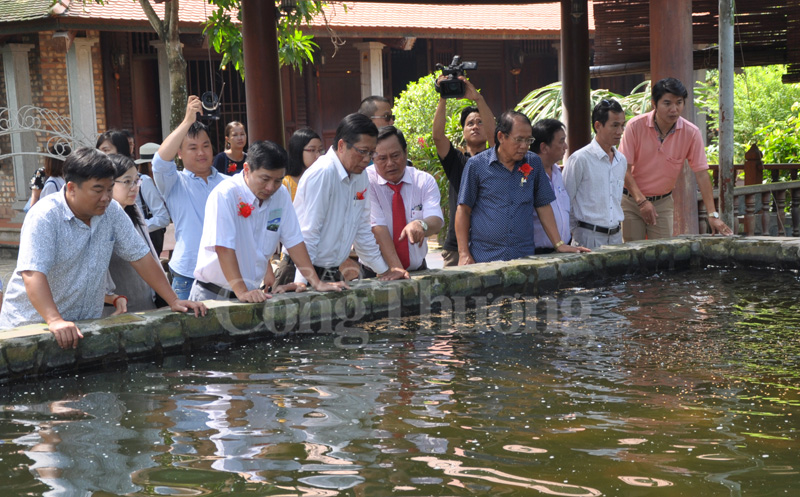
(687,382)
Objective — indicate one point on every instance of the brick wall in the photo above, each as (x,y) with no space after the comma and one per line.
(49,88)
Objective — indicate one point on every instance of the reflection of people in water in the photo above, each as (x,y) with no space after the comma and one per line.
(83,450)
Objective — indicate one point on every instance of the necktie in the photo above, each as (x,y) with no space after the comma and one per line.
(398,223)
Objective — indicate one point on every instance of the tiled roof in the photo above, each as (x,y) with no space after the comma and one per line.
(191,11)
(23,10)
(379,19)
(464,19)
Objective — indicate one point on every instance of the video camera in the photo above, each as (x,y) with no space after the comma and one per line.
(453,87)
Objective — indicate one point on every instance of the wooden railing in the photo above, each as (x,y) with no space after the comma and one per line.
(760,199)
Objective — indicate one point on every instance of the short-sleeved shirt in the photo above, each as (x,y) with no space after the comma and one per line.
(254,238)
(561,210)
(421,199)
(453,165)
(655,165)
(73,256)
(501,226)
(185,195)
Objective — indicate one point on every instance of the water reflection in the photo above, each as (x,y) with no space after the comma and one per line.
(688,384)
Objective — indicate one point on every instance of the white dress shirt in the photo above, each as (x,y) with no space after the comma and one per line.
(333,209)
(594,184)
(254,238)
(421,199)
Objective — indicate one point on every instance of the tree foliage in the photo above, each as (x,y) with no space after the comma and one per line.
(763,105)
(294,47)
(546,102)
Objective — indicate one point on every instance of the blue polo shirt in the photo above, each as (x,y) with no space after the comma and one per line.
(185,195)
(502,206)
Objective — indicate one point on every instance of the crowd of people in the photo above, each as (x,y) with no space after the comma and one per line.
(93,236)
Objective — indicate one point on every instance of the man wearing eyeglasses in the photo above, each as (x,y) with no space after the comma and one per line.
(332,204)
(500,189)
(404,203)
(379,109)
(594,177)
(656,145)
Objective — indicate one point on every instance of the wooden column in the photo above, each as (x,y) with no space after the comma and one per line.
(575,76)
(671,56)
(262,72)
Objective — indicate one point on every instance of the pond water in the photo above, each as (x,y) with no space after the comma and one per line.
(687,382)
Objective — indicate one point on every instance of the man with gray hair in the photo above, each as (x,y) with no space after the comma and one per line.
(500,189)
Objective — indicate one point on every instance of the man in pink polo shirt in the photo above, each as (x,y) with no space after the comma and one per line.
(656,144)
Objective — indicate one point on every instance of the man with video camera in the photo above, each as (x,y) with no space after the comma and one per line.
(453,159)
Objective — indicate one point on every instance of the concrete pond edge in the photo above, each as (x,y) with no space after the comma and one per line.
(30,352)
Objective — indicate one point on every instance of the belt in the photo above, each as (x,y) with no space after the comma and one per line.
(651,199)
(328,273)
(211,287)
(599,229)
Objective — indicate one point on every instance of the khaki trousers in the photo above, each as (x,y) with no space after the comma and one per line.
(634,228)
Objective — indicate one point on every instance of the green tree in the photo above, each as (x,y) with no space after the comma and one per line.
(761,99)
(414,110)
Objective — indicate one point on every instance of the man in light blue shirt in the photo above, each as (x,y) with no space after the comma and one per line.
(186,192)
(65,247)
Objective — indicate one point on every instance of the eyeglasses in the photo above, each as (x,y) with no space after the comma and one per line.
(387,117)
(130,184)
(318,151)
(363,152)
(382,159)
(519,141)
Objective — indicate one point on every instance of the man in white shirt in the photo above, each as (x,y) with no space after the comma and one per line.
(404,203)
(332,204)
(245,219)
(594,177)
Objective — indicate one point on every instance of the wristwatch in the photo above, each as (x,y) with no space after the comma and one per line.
(715,215)
(423,224)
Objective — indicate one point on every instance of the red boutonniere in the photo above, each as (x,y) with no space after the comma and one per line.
(525,169)
(232,167)
(360,195)
(245,209)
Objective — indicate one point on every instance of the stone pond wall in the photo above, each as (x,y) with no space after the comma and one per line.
(31,351)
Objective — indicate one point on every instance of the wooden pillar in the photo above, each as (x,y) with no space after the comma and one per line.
(671,52)
(575,76)
(262,72)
